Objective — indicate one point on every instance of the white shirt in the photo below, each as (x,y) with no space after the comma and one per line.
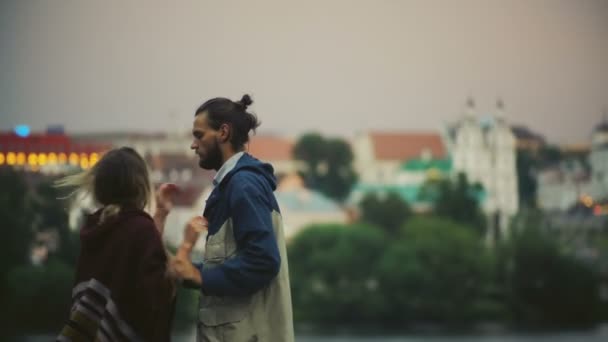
(226,168)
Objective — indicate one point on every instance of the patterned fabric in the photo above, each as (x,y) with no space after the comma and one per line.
(95,317)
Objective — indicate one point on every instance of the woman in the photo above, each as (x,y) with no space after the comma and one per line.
(122,290)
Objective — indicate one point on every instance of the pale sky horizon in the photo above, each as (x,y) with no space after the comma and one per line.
(334,66)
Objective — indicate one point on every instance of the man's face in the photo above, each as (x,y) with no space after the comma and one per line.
(205,143)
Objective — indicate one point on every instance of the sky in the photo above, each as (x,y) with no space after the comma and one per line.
(334,66)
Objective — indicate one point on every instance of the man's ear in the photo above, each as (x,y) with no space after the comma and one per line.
(224,132)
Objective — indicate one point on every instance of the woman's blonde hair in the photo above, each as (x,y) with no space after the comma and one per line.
(119,179)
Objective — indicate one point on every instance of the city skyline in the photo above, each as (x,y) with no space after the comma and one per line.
(337,67)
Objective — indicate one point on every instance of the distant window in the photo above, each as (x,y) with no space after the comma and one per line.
(156,176)
(186,175)
(173,175)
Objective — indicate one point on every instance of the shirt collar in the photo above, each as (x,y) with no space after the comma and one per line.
(227,167)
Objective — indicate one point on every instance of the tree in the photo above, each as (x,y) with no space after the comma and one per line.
(545,285)
(457,200)
(23,212)
(16,232)
(526,178)
(527,164)
(328,165)
(389,212)
(49,285)
(334,274)
(438,272)
(16,217)
(51,214)
(549,155)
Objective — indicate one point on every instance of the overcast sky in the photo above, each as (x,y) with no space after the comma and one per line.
(337,66)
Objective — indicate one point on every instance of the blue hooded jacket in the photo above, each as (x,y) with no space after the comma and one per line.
(246,196)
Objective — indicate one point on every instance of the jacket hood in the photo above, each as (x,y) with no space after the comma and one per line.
(248,162)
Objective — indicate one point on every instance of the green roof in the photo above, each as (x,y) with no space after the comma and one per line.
(443,165)
(408,193)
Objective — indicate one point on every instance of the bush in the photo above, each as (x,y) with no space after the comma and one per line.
(547,287)
(439,272)
(40,296)
(334,274)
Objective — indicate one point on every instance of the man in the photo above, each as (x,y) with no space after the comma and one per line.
(244,278)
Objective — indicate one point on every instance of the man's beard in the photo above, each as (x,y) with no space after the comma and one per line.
(213,160)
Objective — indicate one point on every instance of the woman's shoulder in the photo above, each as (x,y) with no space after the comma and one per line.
(136,221)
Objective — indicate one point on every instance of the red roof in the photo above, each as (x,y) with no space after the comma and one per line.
(270,148)
(41,142)
(406,145)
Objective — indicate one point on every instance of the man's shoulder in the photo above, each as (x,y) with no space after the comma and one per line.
(246,178)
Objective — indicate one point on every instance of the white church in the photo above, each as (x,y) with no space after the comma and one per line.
(484,148)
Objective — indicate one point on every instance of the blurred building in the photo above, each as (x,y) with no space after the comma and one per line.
(581,177)
(408,182)
(527,140)
(396,162)
(171,160)
(302,207)
(580,150)
(172,152)
(277,151)
(484,149)
(143,143)
(379,155)
(560,186)
(49,152)
(599,160)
